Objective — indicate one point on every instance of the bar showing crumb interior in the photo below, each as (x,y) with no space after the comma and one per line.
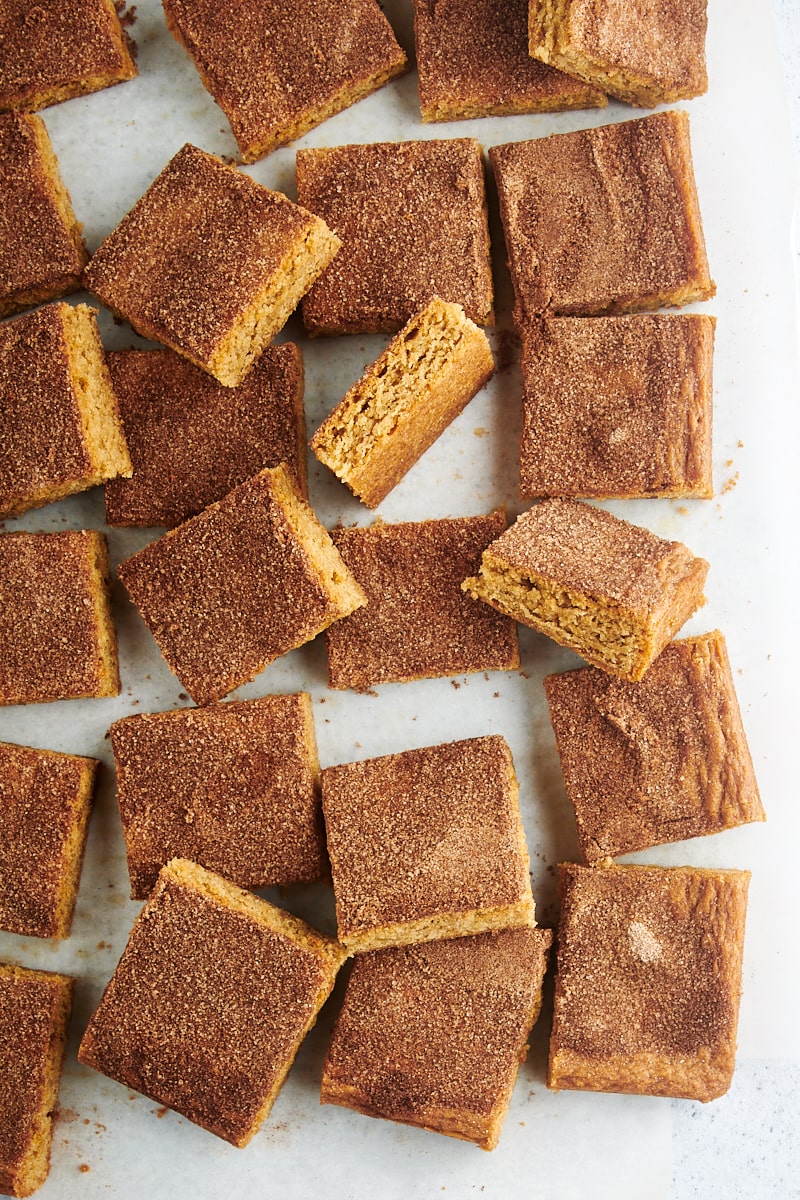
(192,440)
(647,54)
(52,52)
(210,263)
(42,252)
(656,761)
(60,429)
(473,61)
(208,1005)
(35,1008)
(649,979)
(413,223)
(234,787)
(603,220)
(248,579)
(433,1035)
(613,592)
(56,627)
(617,406)
(317,60)
(426,844)
(404,400)
(418,623)
(45,803)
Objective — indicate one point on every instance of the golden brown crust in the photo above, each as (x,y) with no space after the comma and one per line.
(56,627)
(603,220)
(42,253)
(34,1014)
(617,406)
(192,440)
(656,761)
(417,622)
(405,400)
(427,843)
(473,61)
(246,580)
(53,52)
(647,54)
(383,200)
(45,800)
(210,1001)
(60,430)
(612,591)
(433,1035)
(312,60)
(234,787)
(210,263)
(649,977)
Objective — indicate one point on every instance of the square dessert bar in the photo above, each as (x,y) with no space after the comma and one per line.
(418,623)
(404,400)
(45,803)
(412,219)
(617,406)
(647,54)
(656,761)
(42,253)
(613,592)
(473,61)
(210,263)
(426,844)
(311,61)
(213,995)
(56,627)
(649,978)
(603,220)
(60,428)
(192,440)
(246,580)
(433,1035)
(35,1009)
(52,52)
(234,787)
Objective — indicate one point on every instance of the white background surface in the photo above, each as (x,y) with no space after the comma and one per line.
(110,1142)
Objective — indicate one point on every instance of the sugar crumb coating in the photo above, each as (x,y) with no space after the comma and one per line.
(669,757)
(53,52)
(384,200)
(418,623)
(649,979)
(35,1008)
(248,579)
(56,626)
(210,263)
(234,787)
(473,61)
(617,406)
(45,802)
(646,54)
(276,71)
(42,252)
(427,843)
(432,1035)
(210,1001)
(192,440)
(603,220)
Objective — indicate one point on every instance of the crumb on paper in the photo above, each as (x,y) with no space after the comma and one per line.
(730,484)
